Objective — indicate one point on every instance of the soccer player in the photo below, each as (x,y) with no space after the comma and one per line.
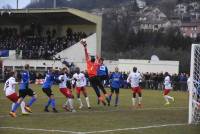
(24,90)
(46,88)
(10,93)
(167,88)
(66,91)
(80,81)
(134,79)
(102,71)
(92,67)
(116,81)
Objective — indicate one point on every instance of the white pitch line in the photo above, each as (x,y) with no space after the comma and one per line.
(42,130)
(135,128)
(96,111)
(101,131)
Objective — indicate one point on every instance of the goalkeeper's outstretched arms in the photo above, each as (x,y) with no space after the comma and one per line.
(83,42)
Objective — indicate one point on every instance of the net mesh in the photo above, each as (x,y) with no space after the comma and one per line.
(196,86)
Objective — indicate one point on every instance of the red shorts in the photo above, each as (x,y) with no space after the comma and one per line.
(166,91)
(66,92)
(13,97)
(136,90)
(79,89)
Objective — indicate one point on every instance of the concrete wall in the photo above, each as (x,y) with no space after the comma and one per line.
(124,65)
(75,53)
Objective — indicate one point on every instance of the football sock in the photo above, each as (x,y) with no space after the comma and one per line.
(116,100)
(32,100)
(53,103)
(48,103)
(110,97)
(79,99)
(71,103)
(22,107)
(87,101)
(140,100)
(169,97)
(133,101)
(166,98)
(15,107)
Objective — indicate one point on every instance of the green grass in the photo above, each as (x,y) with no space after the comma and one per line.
(100,117)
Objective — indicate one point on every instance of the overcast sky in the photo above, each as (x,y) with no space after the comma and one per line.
(13,3)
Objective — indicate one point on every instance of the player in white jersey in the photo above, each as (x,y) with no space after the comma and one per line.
(10,92)
(134,79)
(80,81)
(167,88)
(66,91)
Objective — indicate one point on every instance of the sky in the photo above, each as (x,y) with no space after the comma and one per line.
(13,3)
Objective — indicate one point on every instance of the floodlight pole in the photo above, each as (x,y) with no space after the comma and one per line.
(17,4)
(54,3)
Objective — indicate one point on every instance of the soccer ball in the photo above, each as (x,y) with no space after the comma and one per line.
(83,42)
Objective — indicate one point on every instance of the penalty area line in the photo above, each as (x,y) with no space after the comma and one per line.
(136,128)
(41,130)
(92,132)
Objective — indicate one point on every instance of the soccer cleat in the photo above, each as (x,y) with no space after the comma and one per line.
(81,106)
(25,113)
(167,103)
(54,110)
(73,111)
(116,105)
(89,108)
(28,109)
(13,114)
(104,103)
(66,108)
(46,109)
(139,105)
(98,102)
(173,99)
(108,101)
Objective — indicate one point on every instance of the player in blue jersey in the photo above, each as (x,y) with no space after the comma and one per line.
(102,73)
(24,90)
(116,82)
(46,88)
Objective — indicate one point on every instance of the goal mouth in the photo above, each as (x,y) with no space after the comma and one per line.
(194,86)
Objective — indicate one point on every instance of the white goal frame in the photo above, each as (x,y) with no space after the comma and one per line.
(192,102)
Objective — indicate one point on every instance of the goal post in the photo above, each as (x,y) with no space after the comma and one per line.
(194,85)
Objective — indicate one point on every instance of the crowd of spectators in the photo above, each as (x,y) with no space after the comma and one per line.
(152,81)
(155,81)
(35,46)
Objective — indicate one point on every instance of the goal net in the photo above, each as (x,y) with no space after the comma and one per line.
(194,86)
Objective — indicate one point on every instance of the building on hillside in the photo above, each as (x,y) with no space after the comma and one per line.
(141,4)
(152,19)
(181,9)
(154,25)
(190,29)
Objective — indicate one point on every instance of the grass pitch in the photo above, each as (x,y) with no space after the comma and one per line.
(153,118)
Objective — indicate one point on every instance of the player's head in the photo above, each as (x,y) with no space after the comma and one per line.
(134,69)
(101,60)
(11,73)
(92,59)
(116,69)
(77,70)
(166,74)
(26,66)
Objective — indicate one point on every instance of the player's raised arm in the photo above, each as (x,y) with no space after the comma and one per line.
(83,42)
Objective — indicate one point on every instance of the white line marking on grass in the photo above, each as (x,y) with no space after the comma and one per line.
(96,111)
(43,130)
(135,128)
(101,131)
